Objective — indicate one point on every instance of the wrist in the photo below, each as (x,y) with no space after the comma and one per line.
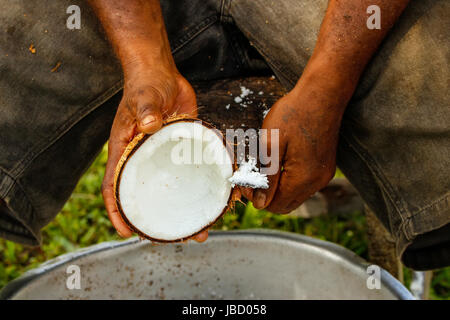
(326,86)
(139,55)
(148,61)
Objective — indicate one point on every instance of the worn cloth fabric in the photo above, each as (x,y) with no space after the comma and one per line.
(58,104)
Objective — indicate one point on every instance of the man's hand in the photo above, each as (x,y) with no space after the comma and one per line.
(308,136)
(309,117)
(153,90)
(150,96)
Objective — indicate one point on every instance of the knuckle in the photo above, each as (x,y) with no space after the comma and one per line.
(145,97)
(124,115)
(144,109)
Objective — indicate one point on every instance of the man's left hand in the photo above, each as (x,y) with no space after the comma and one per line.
(308,136)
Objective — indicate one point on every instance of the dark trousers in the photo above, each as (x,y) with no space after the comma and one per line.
(395,137)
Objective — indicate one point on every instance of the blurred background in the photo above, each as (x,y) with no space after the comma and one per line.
(83,222)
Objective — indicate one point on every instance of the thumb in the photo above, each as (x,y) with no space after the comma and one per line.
(272,152)
(148,113)
(263,197)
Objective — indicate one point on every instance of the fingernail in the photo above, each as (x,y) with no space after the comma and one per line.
(259,200)
(148,119)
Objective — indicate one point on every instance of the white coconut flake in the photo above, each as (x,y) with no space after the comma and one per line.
(248,175)
(245,92)
(227,106)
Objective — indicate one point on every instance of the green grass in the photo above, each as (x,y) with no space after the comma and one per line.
(83,221)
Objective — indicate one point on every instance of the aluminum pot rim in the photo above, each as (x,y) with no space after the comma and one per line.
(393,285)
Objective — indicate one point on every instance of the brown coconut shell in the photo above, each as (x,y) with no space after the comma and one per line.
(137,141)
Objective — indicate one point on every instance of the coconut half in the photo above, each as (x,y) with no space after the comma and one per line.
(173,184)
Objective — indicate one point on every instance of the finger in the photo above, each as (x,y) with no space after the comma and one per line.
(269,143)
(263,197)
(201,237)
(236,194)
(121,132)
(114,215)
(272,151)
(186,102)
(148,106)
(246,192)
(111,207)
(290,192)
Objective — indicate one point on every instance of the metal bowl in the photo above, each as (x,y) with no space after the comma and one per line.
(229,265)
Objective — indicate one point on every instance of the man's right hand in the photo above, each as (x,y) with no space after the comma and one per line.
(153,90)
(150,95)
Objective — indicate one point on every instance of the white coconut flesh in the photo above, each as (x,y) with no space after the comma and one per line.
(176,182)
